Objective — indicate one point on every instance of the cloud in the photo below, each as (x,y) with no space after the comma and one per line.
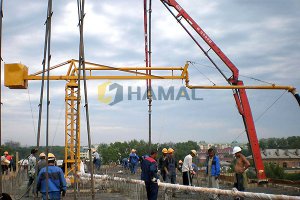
(260,38)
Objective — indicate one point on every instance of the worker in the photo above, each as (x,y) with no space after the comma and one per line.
(187,169)
(133,161)
(42,162)
(240,167)
(4,164)
(31,170)
(125,163)
(162,164)
(213,170)
(56,180)
(96,160)
(171,166)
(179,166)
(10,159)
(150,175)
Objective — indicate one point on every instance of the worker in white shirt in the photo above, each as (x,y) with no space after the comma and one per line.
(187,168)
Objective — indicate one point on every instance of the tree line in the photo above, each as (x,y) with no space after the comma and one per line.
(292,142)
(116,151)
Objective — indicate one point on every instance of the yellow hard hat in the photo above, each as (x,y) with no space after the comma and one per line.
(42,155)
(170,150)
(180,161)
(133,150)
(164,150)
(51,156)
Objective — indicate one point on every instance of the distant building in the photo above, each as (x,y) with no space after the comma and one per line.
(84,151)
(286,158)
(224,153)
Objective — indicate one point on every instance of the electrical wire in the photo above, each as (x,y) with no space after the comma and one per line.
(256,79)
(203,74)
(263,113)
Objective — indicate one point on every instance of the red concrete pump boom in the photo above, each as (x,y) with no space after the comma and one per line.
(240,95)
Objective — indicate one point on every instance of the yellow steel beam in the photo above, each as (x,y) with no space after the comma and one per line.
(135,68)
(30,77)
(263,87)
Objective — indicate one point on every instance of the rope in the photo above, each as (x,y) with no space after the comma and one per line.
(81,15)
(234,192)
(264,112)
(28,92)
(57,124)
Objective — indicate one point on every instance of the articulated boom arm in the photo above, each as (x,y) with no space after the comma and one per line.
(205,37)
(240,95)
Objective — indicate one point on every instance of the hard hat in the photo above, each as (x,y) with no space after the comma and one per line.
(133,150)
(42,155)
(93,150)
(236,150)
(5,152)
(170,150)
(164,150)
(51,156)
(194,152)
(180,161)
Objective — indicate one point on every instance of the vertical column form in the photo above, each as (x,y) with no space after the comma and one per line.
(71,92)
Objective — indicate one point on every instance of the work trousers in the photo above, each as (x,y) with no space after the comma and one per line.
(133,167)
(213,183)
(186,178)
(239,182)
(152,190)
(51,195)
(172,178)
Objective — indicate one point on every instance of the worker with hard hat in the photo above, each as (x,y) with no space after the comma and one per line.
(187,168)
(162,164)
(171,168)
(31,170)
(56,180)
(133,161)
(42,162)
(240,167)
(213,169)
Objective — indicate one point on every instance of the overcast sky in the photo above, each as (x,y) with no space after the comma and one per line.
(262,38)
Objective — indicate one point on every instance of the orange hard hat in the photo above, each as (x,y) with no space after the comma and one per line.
(170,150)
(164,150)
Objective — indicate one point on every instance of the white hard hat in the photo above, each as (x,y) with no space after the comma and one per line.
(236,150)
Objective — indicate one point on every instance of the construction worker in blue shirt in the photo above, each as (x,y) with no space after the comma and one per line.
(213,171)
(150,176)
(56,180)
(133,161)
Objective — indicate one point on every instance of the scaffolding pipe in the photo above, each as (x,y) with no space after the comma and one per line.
(234,192)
